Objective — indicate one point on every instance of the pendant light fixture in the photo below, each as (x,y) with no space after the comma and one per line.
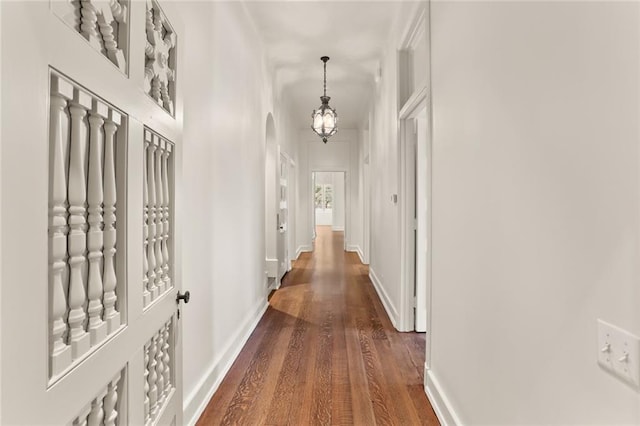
(325,118)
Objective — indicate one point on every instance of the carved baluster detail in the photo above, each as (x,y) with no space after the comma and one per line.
(153,377)
(58,229)
(111,315)
(161,40)
(148,50)
(166,230)
(152,220)
(97,328)
(167,358)
(118,11)
(103,23)
(106,30)
(166,98)
(76,15)
(96,416)
(78,337)
(150,27)
(148,76)
(159,214)
(160,367)
(156,90)
(110,402)
(88,26)
(111,50)
(83,418)
(158,20)
(146,383)
(146,295)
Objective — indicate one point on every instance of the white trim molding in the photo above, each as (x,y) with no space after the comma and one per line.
(303,249)
(357,249)
(439,401)
(196,402)
(274,286)
(392,312)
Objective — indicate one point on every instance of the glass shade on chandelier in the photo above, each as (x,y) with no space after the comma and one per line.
(325,118)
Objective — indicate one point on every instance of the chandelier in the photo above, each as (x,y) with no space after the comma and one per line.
(325,118)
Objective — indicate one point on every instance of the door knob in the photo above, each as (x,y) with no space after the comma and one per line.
(184,297)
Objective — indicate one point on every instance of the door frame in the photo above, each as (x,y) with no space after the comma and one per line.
(292,204)
(366,194)
(347,193)
(289,164)
(270,204)
(413,108)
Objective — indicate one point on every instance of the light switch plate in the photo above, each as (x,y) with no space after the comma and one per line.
(619,353)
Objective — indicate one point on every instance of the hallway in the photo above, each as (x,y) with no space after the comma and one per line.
(325,353)
(159,166)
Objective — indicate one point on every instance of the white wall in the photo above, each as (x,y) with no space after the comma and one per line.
(339,200)
(357,222)
(536,220)
(324,217)
(365,173)
(227,99)
(384,268)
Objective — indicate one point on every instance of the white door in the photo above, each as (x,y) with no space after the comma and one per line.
(90,162)
(283,217)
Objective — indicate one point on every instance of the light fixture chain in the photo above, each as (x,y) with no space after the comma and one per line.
(325,78)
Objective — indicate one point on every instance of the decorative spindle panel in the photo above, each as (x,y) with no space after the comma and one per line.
(158,372)
(84,135)
(103,23)
(160,58)
(106,408)
(158,237)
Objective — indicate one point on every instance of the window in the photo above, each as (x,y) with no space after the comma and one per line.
(324,196)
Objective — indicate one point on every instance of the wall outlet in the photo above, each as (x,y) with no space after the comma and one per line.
(619,353)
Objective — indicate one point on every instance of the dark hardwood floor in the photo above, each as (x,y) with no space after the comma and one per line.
(325,353)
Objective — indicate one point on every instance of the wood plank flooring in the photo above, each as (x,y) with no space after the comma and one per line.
(325,353)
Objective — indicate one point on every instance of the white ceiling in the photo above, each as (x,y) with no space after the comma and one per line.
(353,34)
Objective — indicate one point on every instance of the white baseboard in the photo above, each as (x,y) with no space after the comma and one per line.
(302,249)
(272,267)
(197,400)
(392,312)
(337,228)
(357,249)
(439,401)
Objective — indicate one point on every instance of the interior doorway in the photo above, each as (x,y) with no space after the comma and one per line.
(283,216)
(415,217)
(329,201)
